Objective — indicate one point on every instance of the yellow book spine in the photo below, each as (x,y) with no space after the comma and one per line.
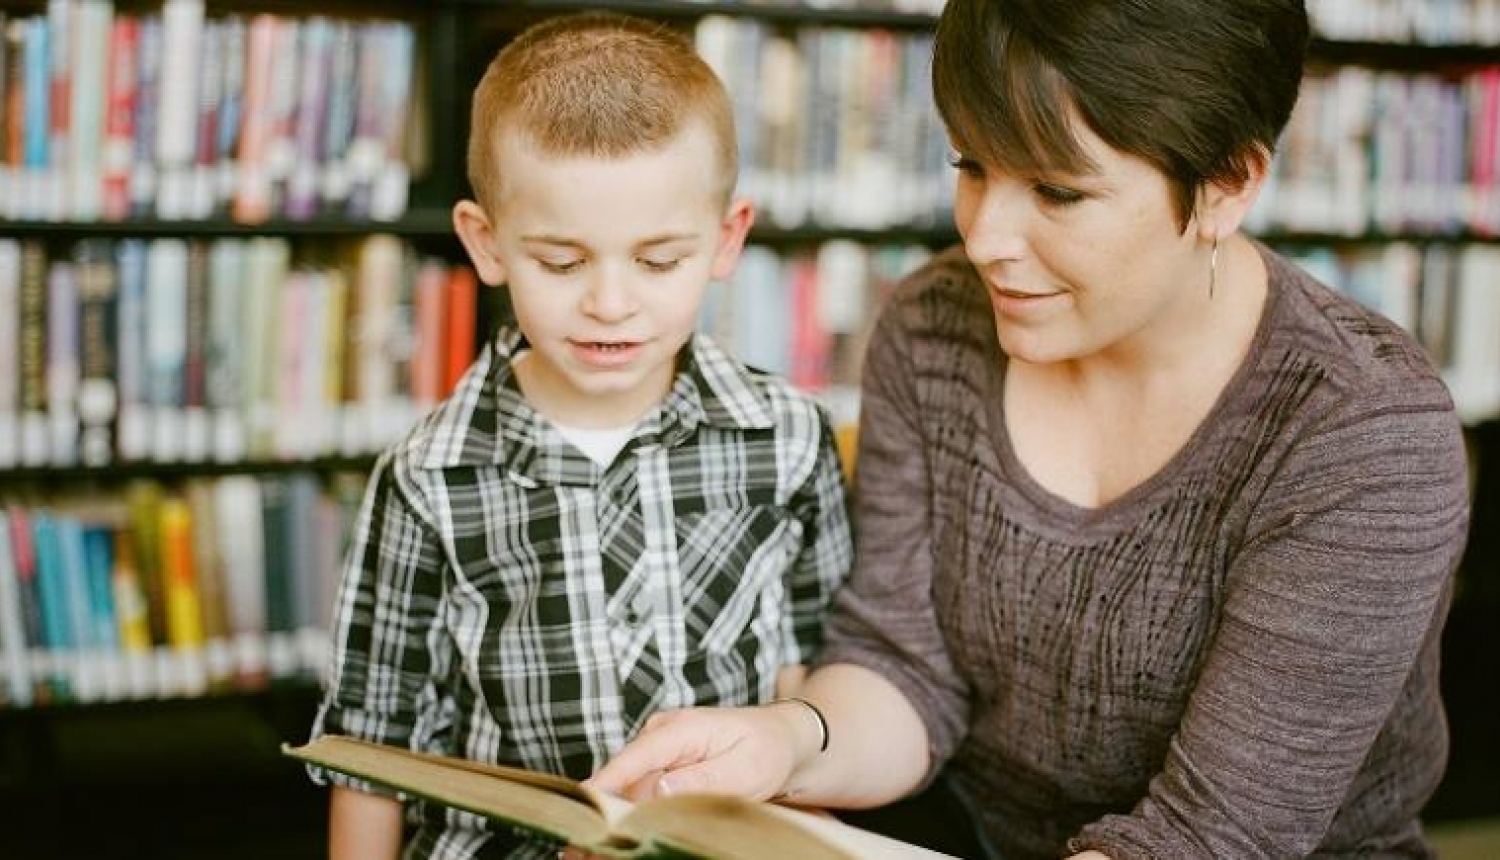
(184,615)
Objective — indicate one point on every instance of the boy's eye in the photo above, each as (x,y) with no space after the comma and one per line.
(1058,195)
(560,267)
(659,264)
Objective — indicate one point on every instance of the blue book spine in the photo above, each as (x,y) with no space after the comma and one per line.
(99,562)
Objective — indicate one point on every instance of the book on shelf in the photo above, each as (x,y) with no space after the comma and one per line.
(718,827)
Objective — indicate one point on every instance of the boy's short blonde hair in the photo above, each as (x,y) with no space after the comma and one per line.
(596,84)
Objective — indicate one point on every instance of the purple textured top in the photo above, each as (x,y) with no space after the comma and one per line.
(1237,658)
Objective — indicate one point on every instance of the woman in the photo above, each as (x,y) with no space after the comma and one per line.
(1155,534)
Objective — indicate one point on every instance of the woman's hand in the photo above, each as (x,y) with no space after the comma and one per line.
(751,752)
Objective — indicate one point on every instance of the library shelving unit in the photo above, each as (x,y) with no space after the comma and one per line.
(192,775)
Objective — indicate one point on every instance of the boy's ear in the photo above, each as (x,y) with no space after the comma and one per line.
(477,234)
(1222,208)
(732,233)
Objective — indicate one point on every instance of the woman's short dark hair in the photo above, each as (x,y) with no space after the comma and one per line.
(1197,88)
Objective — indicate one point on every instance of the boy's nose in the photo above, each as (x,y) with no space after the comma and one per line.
(609,297)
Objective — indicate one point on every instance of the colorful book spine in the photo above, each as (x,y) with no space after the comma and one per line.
(119,124)
(98,318)
(182,599)
(132,617)
(15,658)
(10,353)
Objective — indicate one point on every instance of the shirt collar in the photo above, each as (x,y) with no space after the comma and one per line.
(486,421)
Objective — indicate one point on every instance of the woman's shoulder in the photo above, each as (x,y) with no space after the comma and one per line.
(1348,348)
(944,298)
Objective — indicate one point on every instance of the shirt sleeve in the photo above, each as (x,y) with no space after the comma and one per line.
(389,649)
(827,547)
(1330,609)
(884,619)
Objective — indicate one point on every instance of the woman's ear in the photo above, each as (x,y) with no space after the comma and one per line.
(1222,208)
(477,234)
(732,232)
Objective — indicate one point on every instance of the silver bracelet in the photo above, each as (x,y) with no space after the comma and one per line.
(817,715)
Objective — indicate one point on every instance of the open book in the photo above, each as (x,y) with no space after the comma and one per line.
(691,825)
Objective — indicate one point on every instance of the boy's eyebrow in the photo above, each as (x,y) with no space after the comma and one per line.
(663,239)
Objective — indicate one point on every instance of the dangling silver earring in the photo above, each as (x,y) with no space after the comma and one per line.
(1213,267)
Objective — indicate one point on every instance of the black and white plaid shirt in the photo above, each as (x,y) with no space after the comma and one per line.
(508,600)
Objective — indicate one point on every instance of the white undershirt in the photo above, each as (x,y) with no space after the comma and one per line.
(601,446)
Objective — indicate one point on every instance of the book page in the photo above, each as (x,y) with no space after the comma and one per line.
(732,828)
(544,803)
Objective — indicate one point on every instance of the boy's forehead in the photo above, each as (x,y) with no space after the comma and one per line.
(686,165)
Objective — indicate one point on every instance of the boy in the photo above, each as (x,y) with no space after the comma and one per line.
(608,517)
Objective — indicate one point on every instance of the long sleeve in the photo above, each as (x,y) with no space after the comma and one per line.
(885,618)
(1334,606)
(823,563)
(388,647)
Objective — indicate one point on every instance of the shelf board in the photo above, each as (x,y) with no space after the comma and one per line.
(1293,237)
(128,471)
(930,236)
(788,13)
(424,222)
(299,688)
(1399,55)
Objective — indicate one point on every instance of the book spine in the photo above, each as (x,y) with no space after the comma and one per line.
(119,123)
(97,395)
(182,33)
(10,353)
(203,176)
(302,199)
(183,602)
(280,620)
(133,428)
(231,111)
(33,360)
(13,142)
(98,555)
(15,658)
(91,68)
(144,179)
(60,25)
(132,616)
(166,345)
(429,307)
(226,347)
(57,633)
(239,527)
(462,321)
(23,550)
(37,119)
(63,372)
(197,435)
(252,199)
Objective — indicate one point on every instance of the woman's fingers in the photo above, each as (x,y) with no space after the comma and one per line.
(707,750)
(668,741)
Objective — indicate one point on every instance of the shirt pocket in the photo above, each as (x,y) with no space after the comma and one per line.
(733,560)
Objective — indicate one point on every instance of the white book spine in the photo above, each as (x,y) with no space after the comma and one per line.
(182,30)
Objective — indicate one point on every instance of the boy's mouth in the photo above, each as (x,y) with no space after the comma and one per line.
(606,353)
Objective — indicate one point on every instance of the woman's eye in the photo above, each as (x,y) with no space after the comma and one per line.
(560,267)
(965,165)
(654,265)
(1058,195)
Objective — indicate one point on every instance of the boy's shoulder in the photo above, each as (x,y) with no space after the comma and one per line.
(734,392)
(461,429)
